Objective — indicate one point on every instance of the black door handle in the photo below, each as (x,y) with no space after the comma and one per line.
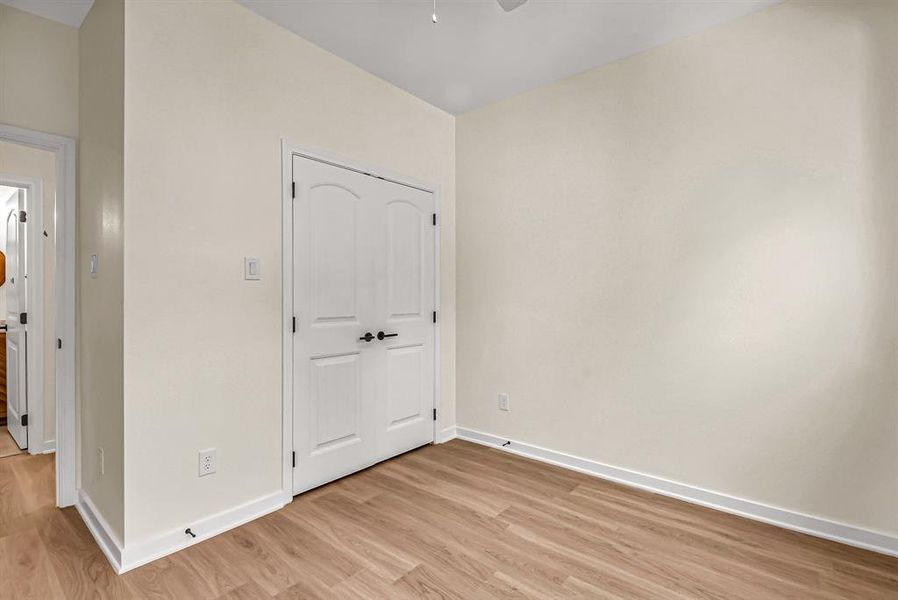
(367,337)
(381,335)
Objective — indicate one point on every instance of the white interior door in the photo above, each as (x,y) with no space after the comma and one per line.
(16,336)
(363,256)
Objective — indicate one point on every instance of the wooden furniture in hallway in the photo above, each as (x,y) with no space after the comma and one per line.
(455,521)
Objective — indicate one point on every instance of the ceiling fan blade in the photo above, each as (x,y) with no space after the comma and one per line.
(510,5)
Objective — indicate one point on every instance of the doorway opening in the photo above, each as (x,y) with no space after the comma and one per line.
(37,309)
(27,297)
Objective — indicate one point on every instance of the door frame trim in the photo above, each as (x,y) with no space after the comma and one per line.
(64,285)
(289,149)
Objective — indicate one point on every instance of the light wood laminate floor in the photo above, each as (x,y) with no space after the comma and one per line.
(8,445)
(449,521)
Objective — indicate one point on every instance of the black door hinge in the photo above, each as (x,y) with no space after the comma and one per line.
(434,219)
(58,343)
(434,414)
(23,318)
(434,316)
(294,324)
(293,188)
(24,420)
(22,216)
(294,460)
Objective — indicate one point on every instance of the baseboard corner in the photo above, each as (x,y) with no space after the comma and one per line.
(101,531)
(143,552)
(446,434)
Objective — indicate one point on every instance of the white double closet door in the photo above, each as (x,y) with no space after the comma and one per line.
(363,260)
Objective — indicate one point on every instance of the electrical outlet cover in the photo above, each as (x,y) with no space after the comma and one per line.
(208,460)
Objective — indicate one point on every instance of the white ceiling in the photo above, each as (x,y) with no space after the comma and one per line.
(69,12)
(477,53)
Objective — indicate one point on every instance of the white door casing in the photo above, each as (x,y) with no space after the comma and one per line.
(63,149)
(16,334)
(363,263)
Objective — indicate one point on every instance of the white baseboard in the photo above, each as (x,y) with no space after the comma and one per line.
(100,529)
(48,447)
(124,558)
(446,434)
(787,519)
(141,553)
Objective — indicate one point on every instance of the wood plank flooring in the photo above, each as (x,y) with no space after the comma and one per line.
(8,445)
(455,521)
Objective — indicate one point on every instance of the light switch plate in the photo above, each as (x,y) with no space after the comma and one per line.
(503,401)
(252,269)
(94,265)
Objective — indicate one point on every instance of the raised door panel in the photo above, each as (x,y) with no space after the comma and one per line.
(12,380)
(407,398)
(333,222)
(335,403)
(405,233)
(15,386)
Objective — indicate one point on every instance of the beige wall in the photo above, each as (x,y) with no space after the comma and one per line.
(684,263)
(38,73)
(21,161)
(211,88)
(100,232)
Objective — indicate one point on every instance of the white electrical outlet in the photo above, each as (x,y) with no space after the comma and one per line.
(503,401)
(101,455)
(208,461)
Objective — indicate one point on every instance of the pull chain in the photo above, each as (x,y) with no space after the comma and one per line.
(434,16)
